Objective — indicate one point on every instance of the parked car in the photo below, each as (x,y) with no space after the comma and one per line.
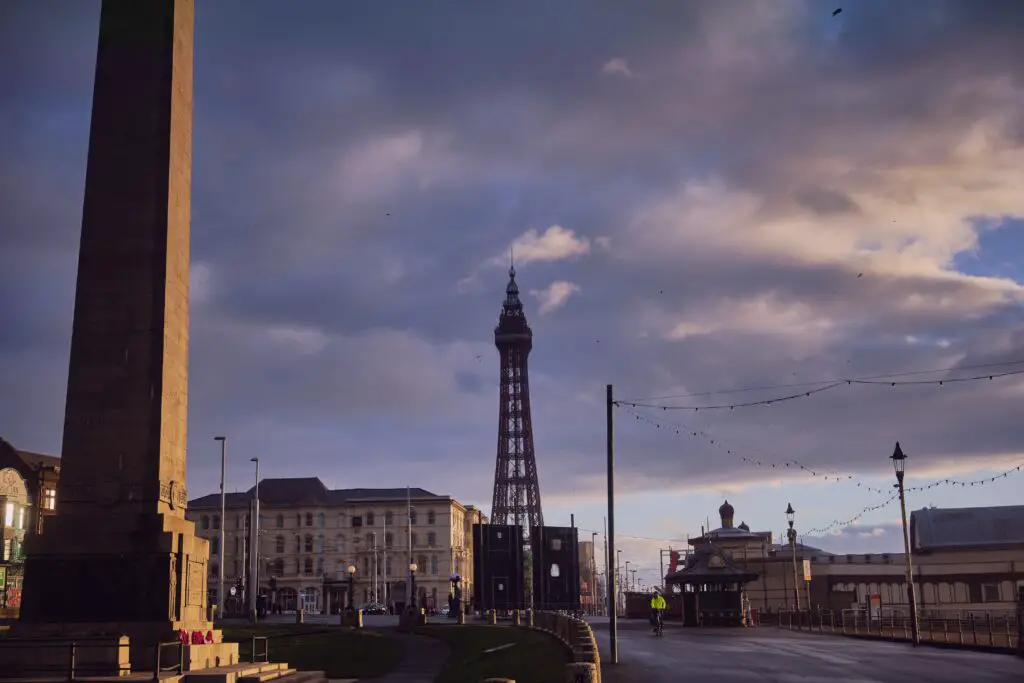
(374,608)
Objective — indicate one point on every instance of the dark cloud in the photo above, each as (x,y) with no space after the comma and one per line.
(783,189)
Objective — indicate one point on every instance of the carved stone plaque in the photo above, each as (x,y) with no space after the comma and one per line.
(195,582)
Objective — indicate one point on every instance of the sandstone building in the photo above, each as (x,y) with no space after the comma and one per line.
(28,495)
(310,535)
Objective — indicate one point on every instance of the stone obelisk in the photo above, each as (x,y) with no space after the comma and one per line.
(119,558)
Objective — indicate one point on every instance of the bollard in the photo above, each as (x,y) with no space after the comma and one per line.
(580,672)
(461,620)
(492,617)
(300,616)
(529,618)
(498,680)
(516,619)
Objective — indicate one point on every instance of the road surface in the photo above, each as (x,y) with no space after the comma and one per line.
(771,655)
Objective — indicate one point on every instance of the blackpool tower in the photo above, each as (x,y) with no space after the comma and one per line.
(516,490)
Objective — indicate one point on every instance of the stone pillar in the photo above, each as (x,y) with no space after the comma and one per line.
(581,672)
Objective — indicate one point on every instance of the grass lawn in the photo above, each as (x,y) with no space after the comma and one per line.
(534,656)
(339,652)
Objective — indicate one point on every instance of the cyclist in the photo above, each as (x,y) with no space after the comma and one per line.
(657,609)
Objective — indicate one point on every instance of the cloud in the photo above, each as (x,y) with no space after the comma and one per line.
(780,198)
(617,66)
(555,295)
(554,244)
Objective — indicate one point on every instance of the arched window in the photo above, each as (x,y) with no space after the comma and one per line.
(309,544)
(309,519)
(280,521)
(321,520)
(279,545)
(319,544)
(431,539)
(369,519)
(389,518)
(206,522)
(431,517)
(308,566)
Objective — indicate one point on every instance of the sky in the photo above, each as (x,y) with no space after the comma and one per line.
(702,198)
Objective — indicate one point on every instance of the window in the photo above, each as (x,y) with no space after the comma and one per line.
(414,540)
(431,539)
(321,520)
(389,540)
(307,566)
(357,521)
(280,521)
(309,519)
(387,568)
(389,518)
(412,517)
(319,566)
(369,539)
(298,519)
(421,564)
(366,566)
(214,569)
(216,521)
(319,544)
(433,565)
(215,545)
(990,592)
(369,519)
(341,544)
(279,567)
(431,517)
(206,522)
(298,544)
(309,544)
(279,545)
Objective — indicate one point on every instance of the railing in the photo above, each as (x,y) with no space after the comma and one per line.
(991,629)
(75,651)
(266,650)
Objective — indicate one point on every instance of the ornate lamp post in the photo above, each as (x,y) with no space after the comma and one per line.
(456,595)
(899,463)
(351,587)
(412,586)
(791,535)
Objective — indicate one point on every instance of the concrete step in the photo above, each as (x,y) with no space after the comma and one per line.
(303,677)
(264,676)
(234,673)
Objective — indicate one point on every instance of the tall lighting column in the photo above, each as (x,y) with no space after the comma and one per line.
(222,526)
(899,462)
(791,534)
(254,554)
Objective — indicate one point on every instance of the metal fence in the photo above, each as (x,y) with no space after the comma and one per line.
(991,629)
(71,658)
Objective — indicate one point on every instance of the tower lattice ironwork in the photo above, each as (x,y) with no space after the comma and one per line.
(516,488)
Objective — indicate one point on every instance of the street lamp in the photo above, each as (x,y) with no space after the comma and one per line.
(412,585)
(254,560)
(351,587)
(899,463)
(791,535)
(222,526)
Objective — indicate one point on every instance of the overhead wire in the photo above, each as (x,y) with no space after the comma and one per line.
(818,390)
(834,380)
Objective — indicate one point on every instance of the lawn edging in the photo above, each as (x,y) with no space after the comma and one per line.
(577,635)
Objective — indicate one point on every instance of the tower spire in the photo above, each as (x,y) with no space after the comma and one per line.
(516,490)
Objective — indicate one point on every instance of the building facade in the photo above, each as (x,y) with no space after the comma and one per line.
(965,561)
(309,537)
(28,495)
